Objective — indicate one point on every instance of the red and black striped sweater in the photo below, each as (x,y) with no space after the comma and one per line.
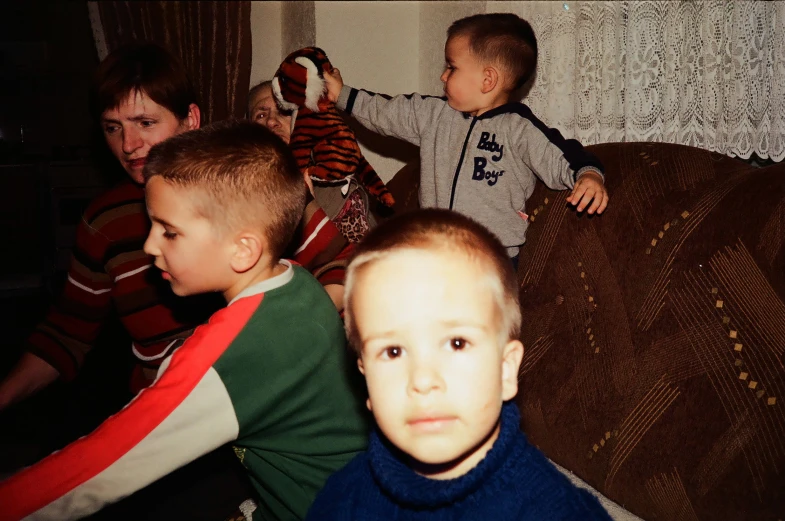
(110,270)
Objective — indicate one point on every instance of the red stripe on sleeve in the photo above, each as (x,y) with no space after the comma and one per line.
(62,472)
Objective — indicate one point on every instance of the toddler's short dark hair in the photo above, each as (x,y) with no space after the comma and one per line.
(504,39)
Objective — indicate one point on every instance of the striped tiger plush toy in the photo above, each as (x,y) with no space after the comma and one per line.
(324,146)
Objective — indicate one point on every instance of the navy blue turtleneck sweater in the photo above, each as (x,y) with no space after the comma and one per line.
(514,481)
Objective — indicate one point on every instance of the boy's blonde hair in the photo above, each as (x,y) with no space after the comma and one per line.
(438,230)
(241,175)
(502,39)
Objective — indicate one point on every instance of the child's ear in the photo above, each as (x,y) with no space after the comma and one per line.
(247,250)
(490,79)
(362,370)
(511,363)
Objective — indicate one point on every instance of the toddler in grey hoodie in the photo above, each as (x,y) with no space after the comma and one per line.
(480,151)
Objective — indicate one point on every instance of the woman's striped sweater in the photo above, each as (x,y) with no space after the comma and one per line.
(109,270)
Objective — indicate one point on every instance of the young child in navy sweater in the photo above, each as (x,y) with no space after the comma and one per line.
(481,151)
(432,312)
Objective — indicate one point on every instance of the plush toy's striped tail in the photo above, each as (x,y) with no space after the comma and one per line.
(368,177)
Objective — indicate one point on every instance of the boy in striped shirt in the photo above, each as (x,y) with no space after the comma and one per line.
(267,373)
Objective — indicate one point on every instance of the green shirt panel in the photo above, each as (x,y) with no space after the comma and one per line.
(301,414)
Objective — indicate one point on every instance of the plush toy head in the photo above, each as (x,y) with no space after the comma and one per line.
(299,81)
(323,145)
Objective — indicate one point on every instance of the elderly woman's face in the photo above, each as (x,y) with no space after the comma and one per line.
(265,112)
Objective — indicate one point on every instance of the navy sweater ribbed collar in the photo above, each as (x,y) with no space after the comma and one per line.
(406,487)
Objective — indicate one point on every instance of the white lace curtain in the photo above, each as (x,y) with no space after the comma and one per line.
(709,74)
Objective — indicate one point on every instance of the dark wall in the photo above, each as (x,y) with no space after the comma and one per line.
(47,56)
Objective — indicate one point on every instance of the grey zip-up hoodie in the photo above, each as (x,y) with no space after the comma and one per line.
(484,166)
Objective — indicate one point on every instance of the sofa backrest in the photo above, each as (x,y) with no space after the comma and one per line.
(655,334)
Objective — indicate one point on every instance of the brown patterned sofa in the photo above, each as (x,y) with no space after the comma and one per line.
(655,334)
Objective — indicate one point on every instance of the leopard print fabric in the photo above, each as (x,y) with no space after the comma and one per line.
(352,220)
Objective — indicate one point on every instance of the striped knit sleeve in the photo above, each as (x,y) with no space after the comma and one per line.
(322,250)
(68,331)
(185,414)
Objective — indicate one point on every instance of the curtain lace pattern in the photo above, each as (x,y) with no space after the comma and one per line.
(704,73)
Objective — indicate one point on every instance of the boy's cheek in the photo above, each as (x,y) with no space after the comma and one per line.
(380,387)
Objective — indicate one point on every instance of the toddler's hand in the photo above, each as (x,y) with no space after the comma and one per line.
(589,187)
(334,84)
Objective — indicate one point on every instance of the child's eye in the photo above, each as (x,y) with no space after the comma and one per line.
(111,129)
(169,235)
(458,343)
(392,352)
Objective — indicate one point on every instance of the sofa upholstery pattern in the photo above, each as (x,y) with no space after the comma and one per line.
(655,334)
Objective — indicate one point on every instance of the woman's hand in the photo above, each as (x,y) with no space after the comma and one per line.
(336,295)
(30,375)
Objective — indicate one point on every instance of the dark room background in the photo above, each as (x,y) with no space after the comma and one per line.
(47,57)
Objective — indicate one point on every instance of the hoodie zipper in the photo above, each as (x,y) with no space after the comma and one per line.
(460,162)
